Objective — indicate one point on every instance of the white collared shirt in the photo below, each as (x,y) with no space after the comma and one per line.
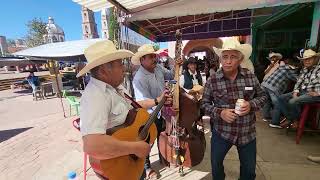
(101,108)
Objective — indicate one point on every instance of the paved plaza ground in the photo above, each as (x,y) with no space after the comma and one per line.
(38,143)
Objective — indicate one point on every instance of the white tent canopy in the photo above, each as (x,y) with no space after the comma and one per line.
(155,9)
(60,50)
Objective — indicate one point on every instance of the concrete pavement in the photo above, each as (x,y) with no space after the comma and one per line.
(38,143)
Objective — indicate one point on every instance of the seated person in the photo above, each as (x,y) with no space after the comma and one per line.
(306,90)
(274,58)
(33,81)
(275,85)
(190,76)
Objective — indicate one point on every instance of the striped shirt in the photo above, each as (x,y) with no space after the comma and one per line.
(221,93)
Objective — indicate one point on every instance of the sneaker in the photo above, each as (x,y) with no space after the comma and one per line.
(275,126)
(285,124)
(266,120)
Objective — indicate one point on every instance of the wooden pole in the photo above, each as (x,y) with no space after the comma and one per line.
(58,88)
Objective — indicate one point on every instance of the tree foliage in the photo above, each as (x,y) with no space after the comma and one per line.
(36,30)
(113,25)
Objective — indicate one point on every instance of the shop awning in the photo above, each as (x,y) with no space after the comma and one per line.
(62,51)
(201,19)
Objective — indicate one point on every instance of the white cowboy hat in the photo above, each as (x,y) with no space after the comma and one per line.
(142,51)
(102,52)
(308,54)
(272,54)
(234,44)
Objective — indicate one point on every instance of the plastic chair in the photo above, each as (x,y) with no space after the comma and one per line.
(76,124)
(309,110)
(73,102)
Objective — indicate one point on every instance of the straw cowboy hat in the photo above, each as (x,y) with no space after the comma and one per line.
(308,54)
(100,53)
(234,44)
(272,54)
(142,51)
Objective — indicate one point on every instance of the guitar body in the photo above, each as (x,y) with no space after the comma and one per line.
(125,167)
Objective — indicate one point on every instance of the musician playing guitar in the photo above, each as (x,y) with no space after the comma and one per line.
(148,83)
(103,105)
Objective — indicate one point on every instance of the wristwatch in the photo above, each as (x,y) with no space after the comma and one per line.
(156,101)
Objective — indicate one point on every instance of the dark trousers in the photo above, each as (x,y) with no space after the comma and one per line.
(159,124)
(247,155)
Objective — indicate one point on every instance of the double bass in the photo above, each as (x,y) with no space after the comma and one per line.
(182,143)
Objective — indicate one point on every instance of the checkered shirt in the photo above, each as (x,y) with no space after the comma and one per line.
(278,81)
(221,93)
(309,80)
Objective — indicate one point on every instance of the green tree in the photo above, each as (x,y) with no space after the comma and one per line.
(36,30)
(113,25)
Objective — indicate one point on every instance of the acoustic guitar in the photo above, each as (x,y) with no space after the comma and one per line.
(139,125)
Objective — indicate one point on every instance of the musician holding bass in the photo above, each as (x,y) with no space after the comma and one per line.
(103,105)
(222,91)
(148,83)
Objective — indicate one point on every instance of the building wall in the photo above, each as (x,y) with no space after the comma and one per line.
(89,26)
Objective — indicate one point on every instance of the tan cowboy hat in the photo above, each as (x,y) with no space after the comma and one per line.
(102,52)
(234,44)
(142,51)
(308,54)
(272,54)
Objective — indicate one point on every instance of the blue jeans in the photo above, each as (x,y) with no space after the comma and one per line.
(247,155)
(291,107)
(271,107)
(273,102)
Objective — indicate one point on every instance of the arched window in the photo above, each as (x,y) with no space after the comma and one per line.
(86,28)
(54,39)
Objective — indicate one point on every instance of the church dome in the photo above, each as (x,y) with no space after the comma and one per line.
(52,28)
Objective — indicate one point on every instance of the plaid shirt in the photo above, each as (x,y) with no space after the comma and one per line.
(221,93)
(278,81)
(309,80)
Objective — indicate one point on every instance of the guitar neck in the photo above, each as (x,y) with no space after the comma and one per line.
(153,116)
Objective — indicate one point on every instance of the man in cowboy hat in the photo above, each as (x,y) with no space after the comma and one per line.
(149,82)
(190,76)
(274,59)
(306,90)
(221,92)
(103,105)
(276,85)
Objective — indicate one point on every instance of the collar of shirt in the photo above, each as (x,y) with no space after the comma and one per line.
(192,74)
(102,85)
(219,73)
(146,72)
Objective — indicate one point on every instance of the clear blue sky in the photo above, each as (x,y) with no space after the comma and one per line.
(15,14)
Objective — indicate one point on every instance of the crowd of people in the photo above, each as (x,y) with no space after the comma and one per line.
(105,103)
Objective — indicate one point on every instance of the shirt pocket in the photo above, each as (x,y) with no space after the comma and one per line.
(221,98)
(249,94)
(117,110)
